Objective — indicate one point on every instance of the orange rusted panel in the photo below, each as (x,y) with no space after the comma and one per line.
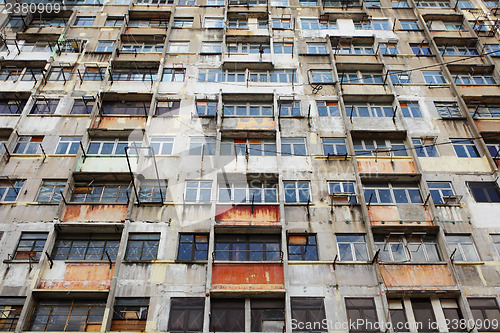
(249,124)
(82,276)
(489,125)
(248,277)
(97,213)
(240,32)
(110,122)
(383,166)
(421,276)
(389,215)
(262,215)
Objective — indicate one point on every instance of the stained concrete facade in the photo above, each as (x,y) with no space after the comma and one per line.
(232,105)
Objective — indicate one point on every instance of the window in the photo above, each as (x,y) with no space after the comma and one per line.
(281,23)
(94,73)
(389,48)
(214,22)
(354,49)
(433,4)
(248,147)
(105,47)
(433,77)
(246,48)
(352,247)
(321,76)
(167,108)
(196,145)
(493,49)
(186,314)
(399,77)
(247,247)
(279,3)
(112,147)
(162,146)
(316,48)
(45,106)
(267,315)
(464,246)
(465,4)
(238,23)
(12,106)
(409,25)
(293,147)
(11,308)
(16,22)
(455,50)
(328,109)
(309,312)
(334,146)
(283,48)
(215,2)
(186,3)
(250,193)
(454,26)
(400,4)
(452,313)
(448,110)
(302,247)
(398,315)
(67,315)
(371,3)
(113,22)
(361,78)
(493,148)
(183,22)
(424,315)
(486,111)
(88,247)
(198,191)
(308,3)
(420,49)
(125,108)
(82,106)
(60,74)
(227,315)
(217,75)
(9,190)
(206,108)
(373,25)
(130,314)
(32,74)
(314,24)
(30,244)
(415,248)
(496,242)
(290,109)
(343,189)
(141,47)
(211,47)
(297,191)
(369,110)
(379,148)
(153,191)
(248,110)
(473,79)
(441,192)
(142,246)
(28,144)
(101,193)
(50,191)
(173,75)
(389,194)
(361,314)
(411,110)
(84,21)
(148,23)
(193,247)
(484,191)
(179,47)
(134,74)
(10,74)
(485,310)
(465,148)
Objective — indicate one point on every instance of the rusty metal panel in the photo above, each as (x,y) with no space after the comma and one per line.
(95,213)
(387,167)
(487,125)
(117,123)
(82,276)
(416,276)
(257,123)
(243,215)
(248,277)
(389,215)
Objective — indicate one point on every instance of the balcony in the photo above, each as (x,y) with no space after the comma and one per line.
(246,215)
(376,166)
(416,277)
(399,215)
(94,212)
(242,277)
(77,276)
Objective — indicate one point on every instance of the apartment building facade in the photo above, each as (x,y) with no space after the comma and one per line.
(250,166)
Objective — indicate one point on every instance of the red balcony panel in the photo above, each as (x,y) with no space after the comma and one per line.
(78,277)
(95,213)
(370,166)
(416,276)
(248,277)
(242,215)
